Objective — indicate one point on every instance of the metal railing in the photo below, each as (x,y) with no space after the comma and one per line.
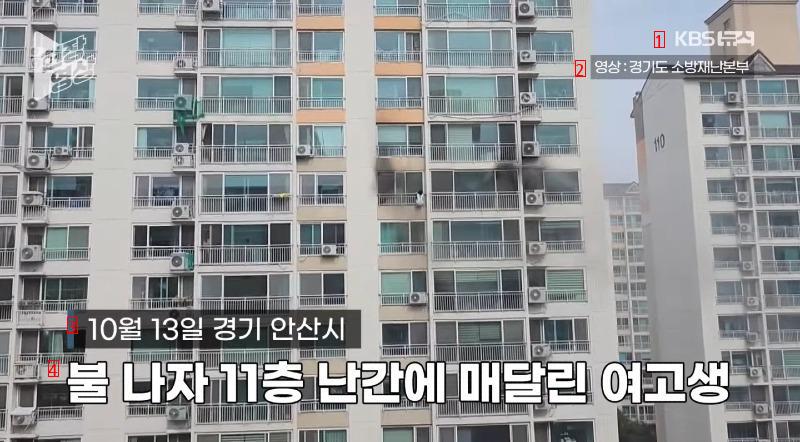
(773,99)
(5,310)
(166,56)
(235,413)
(397,11)
(777,198)
(321,200)
(458,201)
(158,252)
(785,371)
(140,202)
(12,56)
(326,300)
(155,103)
(478,302)
(161,303)
(717,196)
(395,298)
(404,350)
(733,334)
(399,103)
(725,164)
(12,8)
(554,57)
(322,353)
(320,56)
(78,153)
(717,130)
(249,154)
(9,155)
(314,405)
(141,410)
(397,199)
(400,150)
(320,10)
(775,132)
(553,11)
(783,336)
(247,58)
(245,303)
(566,295)
(406,404)
(470,58)
(560,149)
(177,9)
(404,248)
(71,103)
(3,372)
(480,352)
(245,204)
(777,165)
(781,300)
(783,408)
(566,346)
(42,359)
(68,412)
(152,152)
(247,105)
(779,232)
(246,254)
(66,254)
(213,358)
(468,12)
(454,407)
(69,202)
(257,11)
(320,103)
(562,198)
(7,258)
(456,153)
(51,306)
(8,205)
(471,105)
(316,249)
(10,105)
(556,103)
(780,266)
(172,355)
(567,246)
(465,250)
(398,56)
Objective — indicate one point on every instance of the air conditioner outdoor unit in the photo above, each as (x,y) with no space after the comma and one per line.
(212,6)
(304,151)
(734,98)
(31,254)
(36,161)
(329,250)
(534,198)
(26,371)
(748,266)
(761,409)
(181,262)
(182,103)
(752,301)
(527,98)
(177,413)
(62,152)
(23,420)
(742,197)
(737,131)
(525,9)
(183,64)
(182,149)
(537,295)
(531,149)
(745,228)
(540,351)
(418,298)
(537,248)
(32,198)
(755,372)
(181,213)
(38,104)
(526,56)
(42,3)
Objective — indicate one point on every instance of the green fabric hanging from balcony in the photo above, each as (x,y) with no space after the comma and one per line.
(181,117)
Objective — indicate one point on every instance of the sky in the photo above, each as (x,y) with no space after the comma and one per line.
(625,27)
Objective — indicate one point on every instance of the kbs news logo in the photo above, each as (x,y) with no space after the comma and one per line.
(705,38)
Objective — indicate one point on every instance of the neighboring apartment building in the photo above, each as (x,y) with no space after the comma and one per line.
(428,164)
(630,286)
(719,168)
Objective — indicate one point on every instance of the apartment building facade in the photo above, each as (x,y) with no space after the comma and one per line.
(427,164)
(718,171)
(630,284)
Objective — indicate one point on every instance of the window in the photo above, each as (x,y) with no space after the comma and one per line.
(558,332)
(152,292)
(160,241)
(551,93)
(399,92)
(399,140)
(718,157)
(473,182)
(721,189)
(397,46)
(314,236)
(399,188)
(321,189)
(321,92)
(163,438)
(469,48)
(319,7)
(716,91)
(561,182)
(404,339)
(720,123)
(402,237)
(325,140)
(550,47)
(246,87)
(61,243)
(247,47)
(554,139)
(241,292)
(79,138)
(772,92)
(163,45)
(320,46)
(321,289)
(406,434)
(64,39)
(157,142)
(470,87)
(166,88)
(470,231)
(473,142)
(396,286)
(248,437)
(724,223)
(397,7)
(54,294)
(162,191)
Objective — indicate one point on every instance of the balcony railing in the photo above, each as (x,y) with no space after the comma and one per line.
(152,152)
(327,300)
(71,103)
(12,56)
(404,350)
(775,132)
(773,99)
(78,153)
(10,105)
(468,12)
(9,155)
(559,150)
(562,198)
(725,164)
(783,336)
(466,250)
(471,105)
(250,254)
(397,199)
(470,58)
(12,8)
(245,204)
(478,302)
(554,57)
(566,295)
(213,358)
(158,252)
(734,334)
(172,355)
(782,300)
(247,105)
(8,205)
(320,56)
(785,371)
(406,404)
(716,130)
(568,246)
(247,58)
(458,201)
(783,408)
(321,200)
(454,407)
(141,202)
(320,103)
(250,154)
(320,10)
(161,303)
(68,412)
(52,306)
(457,153)
(176,8)
(780,266)
(142,410)
(556,102)
(71,202)
(66,254)
(395,298)
(480,352)
(166,56)
(155,103)
(404,248)
(314,405)
(316,249)
(42,359)
(322,353)
(256,11)
(400,150)
(398,56)
(778,198)
(566,346)
(399,103)
(397,11)
(777,165)
(779,232)
(7,258)
(238,413)
(245,303)
(553,11)
(5,310)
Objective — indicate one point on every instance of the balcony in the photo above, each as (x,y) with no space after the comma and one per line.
(247,58)
(65,9)
(155,103)
(779,232)
(469,250)
(400,150)
(320,301)
(553,11)
(554,57)
(784,408)
(247,105)
(568,246)
(398,199)
(782,300)
(73,103)
(405,248)
(146,410)
(246,254)
(66,254)
(559,150)
(51,306)
(240,413)
(556,103)
(717,130)
(68,412)
(398,56)
(148,202)
(474,201)
(395,298)
(10,105)
(478,58)
(563,198)
(263,11)
(455,408)
(399,103)
(320,103)
(321,200)
(12,8)
(12,56)
(213,358)
(777,165)
(320,10)
(246,204)
(397,10)
(177,9)
(784,336)
(780,266)
(249,154)
(773,99)
(480,352)
(734,334)
(322,353)
(478,302)
(316,249)
(320,56)
(78,153)
(404,350)
(244,303)
(161,303)
(314,405)
(171,355)
(166,56)
(468,12)
(9,155)
(7,258)
(481,152)
(406,404)
(777,198)
(775,132)
(786,371)
(471,105)
(154,152)
(566,295)
(158,252)
(566,346)
(42,359)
